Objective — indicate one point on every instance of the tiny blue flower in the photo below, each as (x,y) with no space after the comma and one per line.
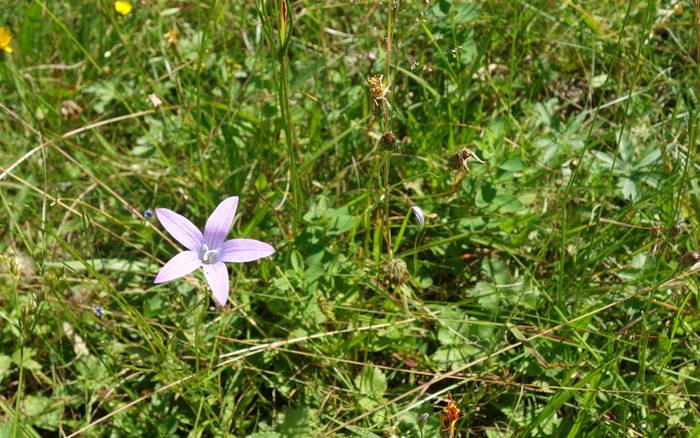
(423,417)
(98,311)
(419,215)
(148,214)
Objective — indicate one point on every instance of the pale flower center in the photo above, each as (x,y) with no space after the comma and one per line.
(209,255)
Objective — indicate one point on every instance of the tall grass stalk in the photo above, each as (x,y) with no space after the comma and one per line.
(22,339)
(279,45)
(283,88)
(386,114)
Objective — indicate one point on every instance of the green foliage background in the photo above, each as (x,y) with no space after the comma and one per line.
(551,292)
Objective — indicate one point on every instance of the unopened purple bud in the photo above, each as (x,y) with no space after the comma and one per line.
(423,417)
(148,214)
(418,214)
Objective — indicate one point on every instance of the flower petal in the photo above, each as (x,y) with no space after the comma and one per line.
(418,214)
(123,7)
(244,250)
(217,277)
(178,266)
(219,223)
(180,228)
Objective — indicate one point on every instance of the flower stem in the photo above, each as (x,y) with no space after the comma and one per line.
(22,339)
(279,44)
(387,159)
(385,119)
(288,136)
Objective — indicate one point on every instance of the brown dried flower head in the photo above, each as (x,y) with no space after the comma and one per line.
(388,141)
(460,160)
(70,110)
(378,90)
(395,272)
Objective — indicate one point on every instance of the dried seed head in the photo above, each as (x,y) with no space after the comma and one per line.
(18,264)
(378,91)
(8,263)
(395,272)
(388,141)
(460,160)
(51,279)
(70,110)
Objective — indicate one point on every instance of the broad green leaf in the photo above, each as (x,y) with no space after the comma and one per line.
(453,356)
(625,149)
(605,158)
(486,194)
(629,189)
(372,382)
(25,359)
(5,365)
(652,157)
(298,422)
(599,80)
(512,165)
(42,411)
(467,12)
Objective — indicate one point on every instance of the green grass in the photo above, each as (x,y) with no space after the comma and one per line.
(551,292)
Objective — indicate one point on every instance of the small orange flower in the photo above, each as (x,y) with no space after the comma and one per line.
(5,39)
(450,416)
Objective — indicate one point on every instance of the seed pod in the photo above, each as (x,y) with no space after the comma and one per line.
(388,141)
(689,259)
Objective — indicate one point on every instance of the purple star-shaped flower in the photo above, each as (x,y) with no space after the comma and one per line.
(210,250)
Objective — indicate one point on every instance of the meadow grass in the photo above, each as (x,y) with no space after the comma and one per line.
(550,291)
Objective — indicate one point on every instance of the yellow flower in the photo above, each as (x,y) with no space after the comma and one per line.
(5,39)
(123,7)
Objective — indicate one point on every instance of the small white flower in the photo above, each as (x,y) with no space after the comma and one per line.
(154,100)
